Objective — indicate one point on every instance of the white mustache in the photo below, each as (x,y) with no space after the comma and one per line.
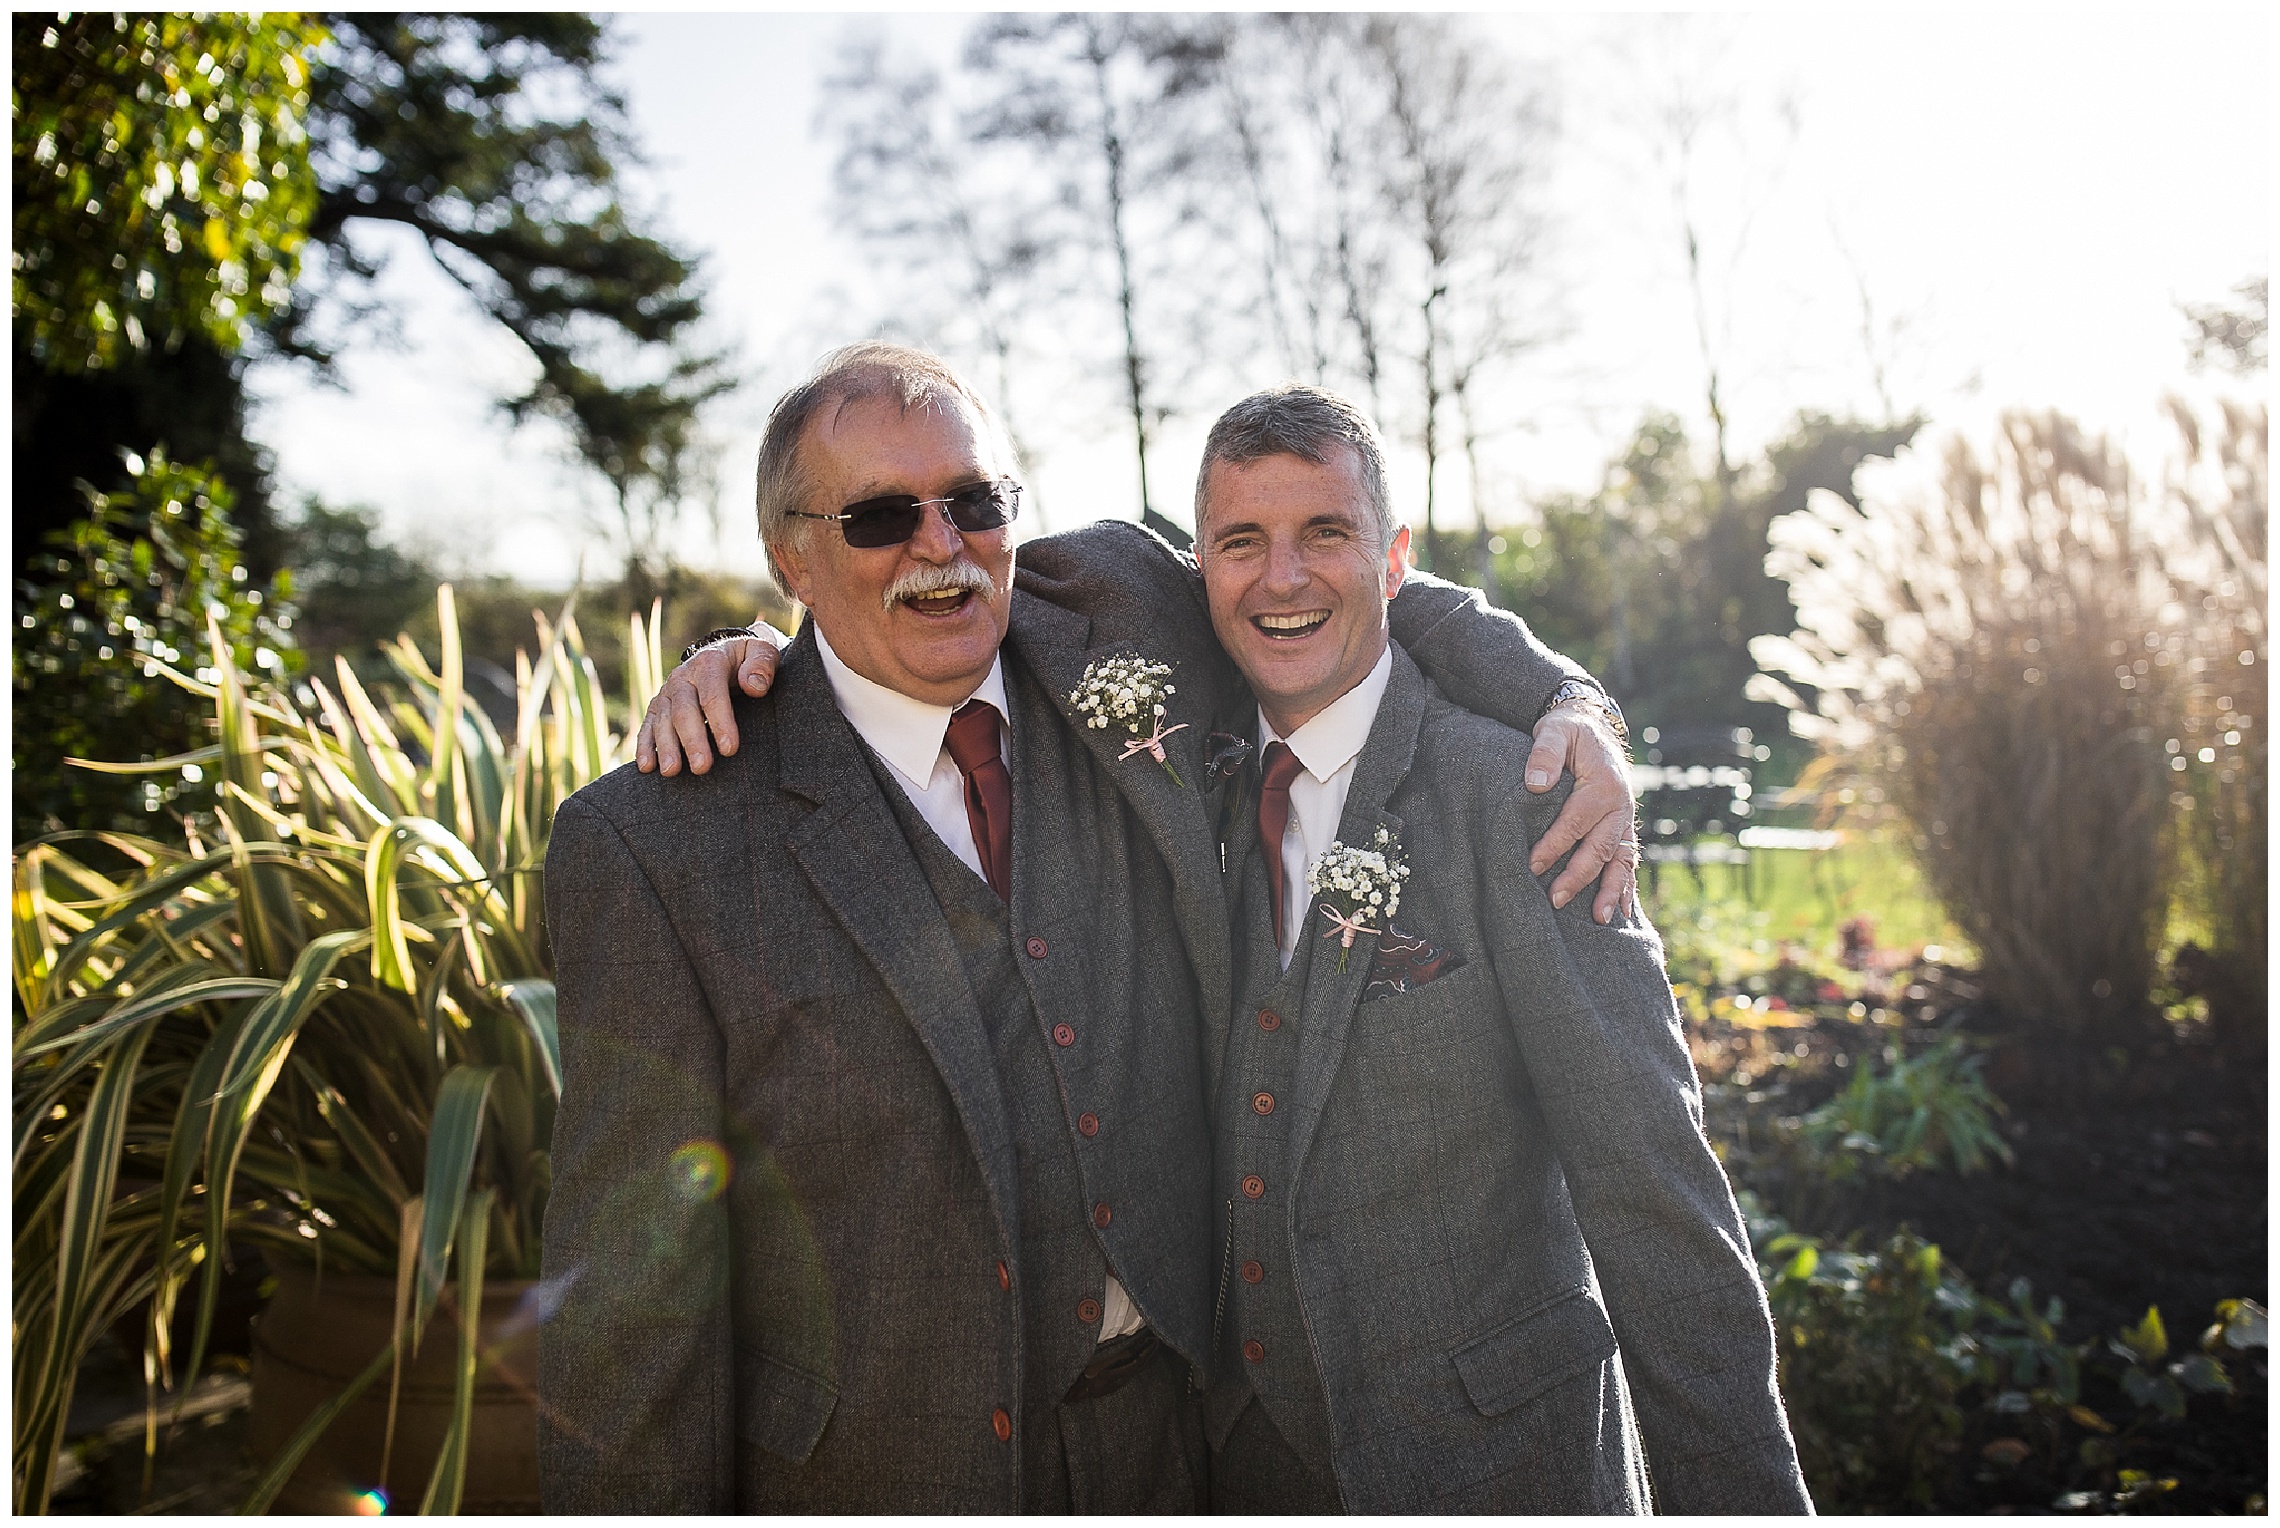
(948,578)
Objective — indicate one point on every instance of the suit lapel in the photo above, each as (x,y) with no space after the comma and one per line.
(863,870)
(1332,995)
(1057,644)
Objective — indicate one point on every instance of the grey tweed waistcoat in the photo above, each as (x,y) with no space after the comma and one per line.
(1263,1345)
(1061,1273)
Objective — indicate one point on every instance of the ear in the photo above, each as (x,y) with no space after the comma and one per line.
(792,566)
(1397,562)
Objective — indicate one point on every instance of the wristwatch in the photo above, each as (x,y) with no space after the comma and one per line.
(1585,690)
(722,633)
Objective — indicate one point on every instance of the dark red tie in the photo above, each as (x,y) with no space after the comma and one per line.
(973,744)
(1282,767)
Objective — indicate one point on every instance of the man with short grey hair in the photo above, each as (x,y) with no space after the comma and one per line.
(852,374)
(1477,1254)
(1310,423)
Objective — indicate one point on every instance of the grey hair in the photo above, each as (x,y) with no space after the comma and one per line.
(913,378)
(1302,421)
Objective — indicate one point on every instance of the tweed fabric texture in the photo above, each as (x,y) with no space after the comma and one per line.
(1263,1345)
(1525,1278)
(1256,1473)
(1132,1449)
(752,963)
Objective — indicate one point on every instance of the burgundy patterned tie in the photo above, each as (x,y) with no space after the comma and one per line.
(973,744)
(1282,767)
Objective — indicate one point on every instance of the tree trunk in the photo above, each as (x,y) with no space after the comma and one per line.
(1135,373)
(1432,557)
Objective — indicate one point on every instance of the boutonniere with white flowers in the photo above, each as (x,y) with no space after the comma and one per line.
(1130,692)
(1356,885)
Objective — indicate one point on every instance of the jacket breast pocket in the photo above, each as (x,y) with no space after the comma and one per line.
(781,1409)
(1520,1360)
(1420,1030)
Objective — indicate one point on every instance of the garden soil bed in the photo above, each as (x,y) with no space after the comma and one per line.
(2146,1188)
(2133,1185)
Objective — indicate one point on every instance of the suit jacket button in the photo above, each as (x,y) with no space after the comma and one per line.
(1002,1425)
(1064,1035)
(1262,1103)
(1269,1020)
(1005,1279)
(1254,1350)
(1253,1273)
(1088,1311)
(1254,1186)
(1035,947)
(1088,1124)
(1101,1215)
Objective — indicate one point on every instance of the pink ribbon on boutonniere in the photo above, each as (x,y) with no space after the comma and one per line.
(1347,927)
(1152,744)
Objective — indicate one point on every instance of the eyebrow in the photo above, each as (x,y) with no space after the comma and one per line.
(1325,517)
(882,487)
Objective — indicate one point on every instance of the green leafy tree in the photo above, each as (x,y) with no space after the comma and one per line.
(122,598)
(162,176)
(137,313)
(493,138)
(163,194)
(1657,582)
(355,590)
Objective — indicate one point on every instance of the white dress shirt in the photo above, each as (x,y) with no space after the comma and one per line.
(909,735)
(1327,747)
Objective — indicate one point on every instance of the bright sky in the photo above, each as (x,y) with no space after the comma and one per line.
(2023,199)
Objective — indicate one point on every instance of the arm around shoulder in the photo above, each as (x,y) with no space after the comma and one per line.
(1119,575)
(1484,659)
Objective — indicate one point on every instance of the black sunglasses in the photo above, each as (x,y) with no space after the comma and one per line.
(892,519)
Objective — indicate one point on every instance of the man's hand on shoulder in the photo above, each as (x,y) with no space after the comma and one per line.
(696,697)
(1598,819)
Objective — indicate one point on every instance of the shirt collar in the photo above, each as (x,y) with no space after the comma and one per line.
(907,733)
(1331,738)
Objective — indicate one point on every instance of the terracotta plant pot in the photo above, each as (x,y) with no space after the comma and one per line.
(316,1336)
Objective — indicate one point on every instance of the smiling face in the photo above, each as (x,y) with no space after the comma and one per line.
(1296,578)
(924,618)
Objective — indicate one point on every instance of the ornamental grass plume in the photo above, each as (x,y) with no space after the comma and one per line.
(2051,663)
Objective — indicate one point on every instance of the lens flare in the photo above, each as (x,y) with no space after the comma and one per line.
(372,1503)
(699,1171)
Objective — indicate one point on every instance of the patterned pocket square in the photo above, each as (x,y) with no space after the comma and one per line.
(1405,962)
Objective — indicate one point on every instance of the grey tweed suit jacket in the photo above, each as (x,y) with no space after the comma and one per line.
(1517,1257)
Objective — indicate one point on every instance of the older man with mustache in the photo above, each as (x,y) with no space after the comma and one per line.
(862,1200)
(929,966)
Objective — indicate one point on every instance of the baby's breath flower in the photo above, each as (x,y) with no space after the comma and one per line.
(1130,690)
(1357,885)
